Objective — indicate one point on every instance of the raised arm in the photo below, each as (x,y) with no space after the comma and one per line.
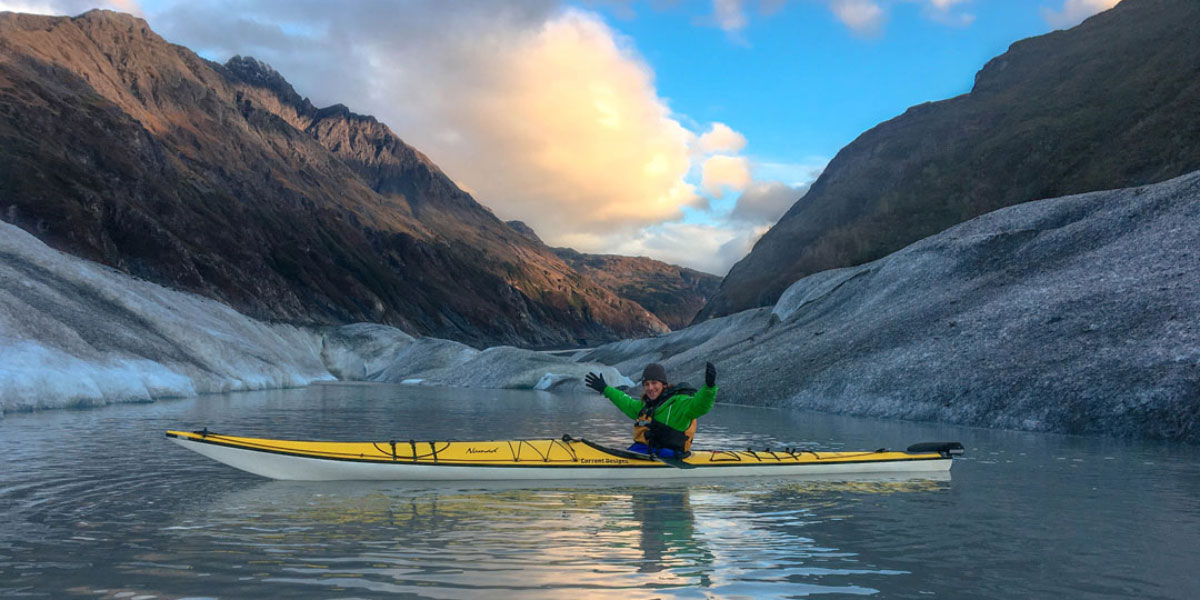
(703,400)
(627,405)
(699,404)
(623,401)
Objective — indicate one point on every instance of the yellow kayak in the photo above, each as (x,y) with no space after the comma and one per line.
(565,458)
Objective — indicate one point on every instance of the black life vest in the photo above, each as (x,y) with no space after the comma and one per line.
(655,434)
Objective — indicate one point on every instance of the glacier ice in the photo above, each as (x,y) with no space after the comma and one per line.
(76,333)
(385,354)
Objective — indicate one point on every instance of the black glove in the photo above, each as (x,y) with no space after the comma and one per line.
(710,375)
(595,381)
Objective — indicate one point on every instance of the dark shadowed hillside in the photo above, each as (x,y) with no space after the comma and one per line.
(221,180)
(672,293)
(1112,103)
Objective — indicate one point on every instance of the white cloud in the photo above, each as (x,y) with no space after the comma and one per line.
(737,247)
(715,247)
(1073,12)
(864,17)
(942,11)
(721,173)
(730,15)
(764,202)
(68,7)
(720,138)
(797,175)
(130,6)
(708,248)
(36,8)
(867,17)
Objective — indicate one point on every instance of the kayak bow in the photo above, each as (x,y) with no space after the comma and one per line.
(565,458)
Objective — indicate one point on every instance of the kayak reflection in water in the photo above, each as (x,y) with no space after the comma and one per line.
(667,533)
(665,416)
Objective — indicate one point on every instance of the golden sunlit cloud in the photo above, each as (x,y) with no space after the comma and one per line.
(721,173)
(720,138)
(560,126)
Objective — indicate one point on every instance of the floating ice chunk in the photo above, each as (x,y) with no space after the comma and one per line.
(550,380)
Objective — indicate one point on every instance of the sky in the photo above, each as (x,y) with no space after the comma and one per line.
(675,129)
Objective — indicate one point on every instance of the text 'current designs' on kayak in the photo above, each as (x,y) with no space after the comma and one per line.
(566,458)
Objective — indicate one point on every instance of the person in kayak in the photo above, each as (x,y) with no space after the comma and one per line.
(665,416)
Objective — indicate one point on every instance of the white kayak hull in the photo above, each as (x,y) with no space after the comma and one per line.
(282,466)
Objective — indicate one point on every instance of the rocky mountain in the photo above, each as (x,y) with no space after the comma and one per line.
(1111,103)
(221,180)
(673,293)
(1075,315)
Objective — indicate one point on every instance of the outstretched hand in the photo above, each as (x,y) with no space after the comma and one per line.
(595,381)
(710,375)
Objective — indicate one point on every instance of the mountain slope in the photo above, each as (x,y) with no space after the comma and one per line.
(672,293)
(121,148)
(1112,103)
(1075,315)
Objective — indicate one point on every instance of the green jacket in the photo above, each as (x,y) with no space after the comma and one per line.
(677,412)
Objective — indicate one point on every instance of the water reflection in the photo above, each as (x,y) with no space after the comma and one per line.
(96,503)
(455,541)
(666,523)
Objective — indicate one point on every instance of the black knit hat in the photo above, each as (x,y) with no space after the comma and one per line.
(656,372)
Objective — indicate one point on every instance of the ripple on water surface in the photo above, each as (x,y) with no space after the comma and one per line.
(639,540)
(97,504)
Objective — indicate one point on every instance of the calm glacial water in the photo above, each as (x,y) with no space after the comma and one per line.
(96,503)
